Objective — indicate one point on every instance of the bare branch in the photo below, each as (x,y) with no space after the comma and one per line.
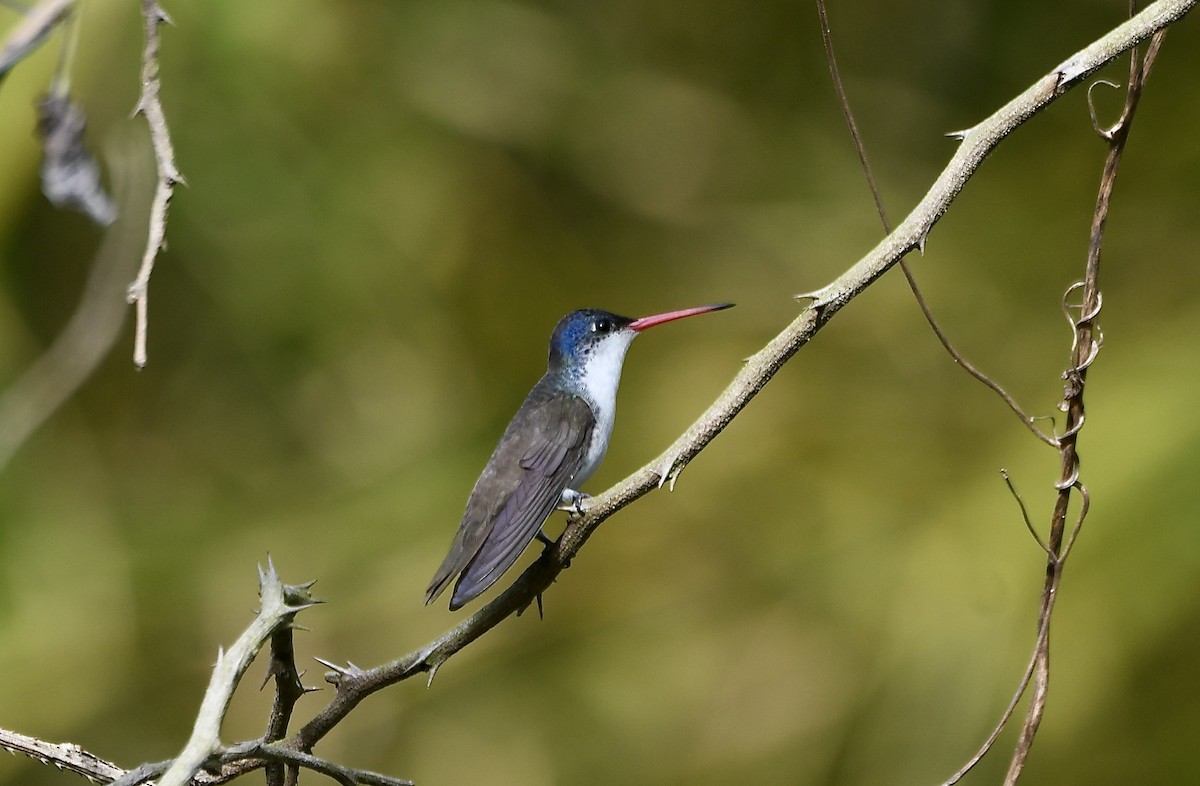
(32,31)
(344,775)
(1039,663)
(279,605)
(277,608)
(288,687)
(150,107)
(1085,343)
(66,756)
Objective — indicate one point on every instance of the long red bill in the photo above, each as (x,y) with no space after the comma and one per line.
(670,316)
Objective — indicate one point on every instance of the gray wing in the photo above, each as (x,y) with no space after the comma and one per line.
(541,451)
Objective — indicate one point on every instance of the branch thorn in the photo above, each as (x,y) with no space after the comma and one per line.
(433,670)
(815,296)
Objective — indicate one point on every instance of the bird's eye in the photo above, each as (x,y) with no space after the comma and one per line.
(601,325)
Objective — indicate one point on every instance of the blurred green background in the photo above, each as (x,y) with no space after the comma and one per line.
(389,206)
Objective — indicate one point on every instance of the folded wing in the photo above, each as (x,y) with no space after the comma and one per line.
(541,452)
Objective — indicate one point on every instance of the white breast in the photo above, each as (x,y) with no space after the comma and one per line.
(599,381)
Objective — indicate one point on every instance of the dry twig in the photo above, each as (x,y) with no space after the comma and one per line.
(1039,660)
(150,107)
(66,756)
(288,690)
(278,606)
(1085,344)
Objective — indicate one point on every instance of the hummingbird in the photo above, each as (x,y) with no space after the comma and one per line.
(552,445)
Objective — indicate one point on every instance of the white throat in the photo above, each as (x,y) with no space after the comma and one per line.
(599,381)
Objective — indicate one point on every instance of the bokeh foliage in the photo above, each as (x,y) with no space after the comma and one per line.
(389,206)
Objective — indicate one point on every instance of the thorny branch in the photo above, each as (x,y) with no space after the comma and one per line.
(150,107)
(257,753)
(279,604)
(295,759)
(288,690)
(277,608)
(65,755)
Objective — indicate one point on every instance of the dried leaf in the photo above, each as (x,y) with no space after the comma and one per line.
(70,175)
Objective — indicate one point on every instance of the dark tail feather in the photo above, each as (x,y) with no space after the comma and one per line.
(438,585)
(450,567)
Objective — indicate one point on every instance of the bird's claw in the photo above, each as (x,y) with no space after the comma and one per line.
(572,501)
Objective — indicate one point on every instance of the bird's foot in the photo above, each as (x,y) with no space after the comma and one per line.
(572,501)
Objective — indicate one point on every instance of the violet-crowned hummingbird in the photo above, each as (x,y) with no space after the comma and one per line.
(552,445)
